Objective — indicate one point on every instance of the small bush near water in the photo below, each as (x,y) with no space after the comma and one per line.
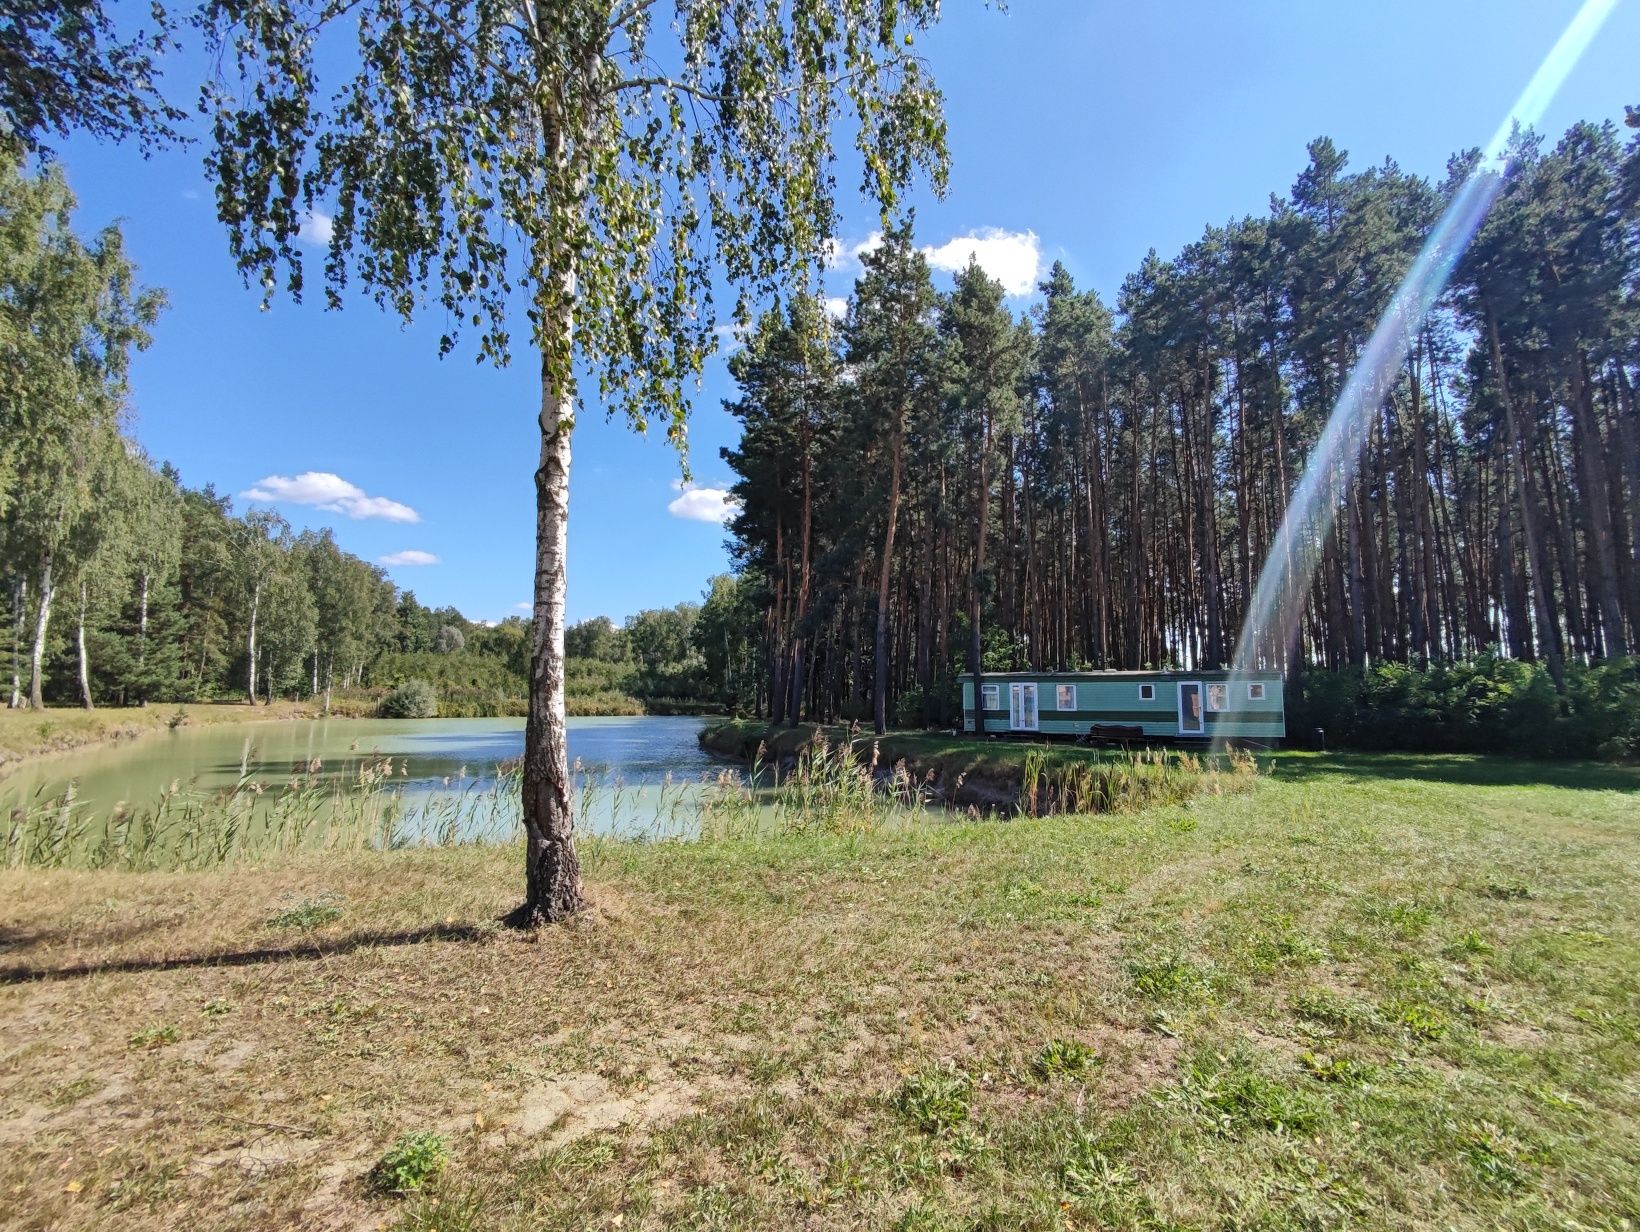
(413,699)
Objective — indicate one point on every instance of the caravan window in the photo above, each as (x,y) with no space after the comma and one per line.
(990,697)
(1147,692)
(1255,692)
(1067,697)
(1218,696)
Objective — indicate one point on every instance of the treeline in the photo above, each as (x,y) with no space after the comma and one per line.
(124,586)
(933,483)
(688,658)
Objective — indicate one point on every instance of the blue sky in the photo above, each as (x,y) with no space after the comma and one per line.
(1081,130)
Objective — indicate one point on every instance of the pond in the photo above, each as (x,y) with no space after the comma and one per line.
(630,772)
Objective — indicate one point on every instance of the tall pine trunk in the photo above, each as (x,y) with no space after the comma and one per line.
(1536,555)
(982,517)
(1597,509)
(800,634)
(879,692)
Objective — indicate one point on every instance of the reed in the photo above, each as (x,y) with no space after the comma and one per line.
(189,828)
(829,788)
(1128,782)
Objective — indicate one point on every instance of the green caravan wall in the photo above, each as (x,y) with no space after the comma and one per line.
(1109,698)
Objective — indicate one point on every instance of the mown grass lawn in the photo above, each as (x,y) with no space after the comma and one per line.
(1374,992)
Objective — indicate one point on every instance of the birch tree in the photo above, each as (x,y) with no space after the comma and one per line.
(71,313)
(579,172)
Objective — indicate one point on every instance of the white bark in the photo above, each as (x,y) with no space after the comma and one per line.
(552,868)
(48,591)
(250,645)
(142,621)
(85,667)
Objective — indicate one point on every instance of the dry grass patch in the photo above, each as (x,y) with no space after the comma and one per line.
(1084,1022)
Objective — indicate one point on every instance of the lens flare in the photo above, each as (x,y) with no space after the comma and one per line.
(1271,626)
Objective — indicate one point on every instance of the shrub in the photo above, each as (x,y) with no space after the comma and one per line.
(1488,704)
(414,699)
(307,914)
(1234,1094)
(411,1162)
(1063,1058)
(935,1100)
(154,1037)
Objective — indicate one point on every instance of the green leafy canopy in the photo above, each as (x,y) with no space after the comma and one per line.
(605,158)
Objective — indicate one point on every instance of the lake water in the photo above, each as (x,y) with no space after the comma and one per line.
(629,772)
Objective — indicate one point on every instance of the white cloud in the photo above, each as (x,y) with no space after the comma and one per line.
(1013,258)
(846,254)
(329,492)
(731,337)
(410,556)
(695,504)
(523,607)
(486,624)
(317,229)
(836,307)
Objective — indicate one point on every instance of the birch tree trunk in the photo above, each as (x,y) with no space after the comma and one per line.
(42,619)
(79,638)
(142,634)
(552,869)
(250,646)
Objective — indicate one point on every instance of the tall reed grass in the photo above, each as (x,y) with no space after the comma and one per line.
(189,828)
(1129,781)
(830,788)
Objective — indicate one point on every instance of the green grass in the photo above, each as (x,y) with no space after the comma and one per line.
(1371,992)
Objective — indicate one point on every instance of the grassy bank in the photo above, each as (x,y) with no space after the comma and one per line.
(1010,775)
(1381,992)
(37,733)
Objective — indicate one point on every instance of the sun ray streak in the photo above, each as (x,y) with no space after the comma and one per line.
(1277,602)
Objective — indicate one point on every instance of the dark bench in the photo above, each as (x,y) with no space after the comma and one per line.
(1115,733)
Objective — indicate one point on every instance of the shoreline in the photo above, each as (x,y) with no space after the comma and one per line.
(75,730)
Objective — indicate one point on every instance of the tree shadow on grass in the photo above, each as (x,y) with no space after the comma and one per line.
(374,938)
(1458,769)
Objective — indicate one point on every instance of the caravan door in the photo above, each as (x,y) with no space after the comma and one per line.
(1192,722)
(1022,707)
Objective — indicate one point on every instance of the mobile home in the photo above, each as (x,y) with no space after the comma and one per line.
(1170,705)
